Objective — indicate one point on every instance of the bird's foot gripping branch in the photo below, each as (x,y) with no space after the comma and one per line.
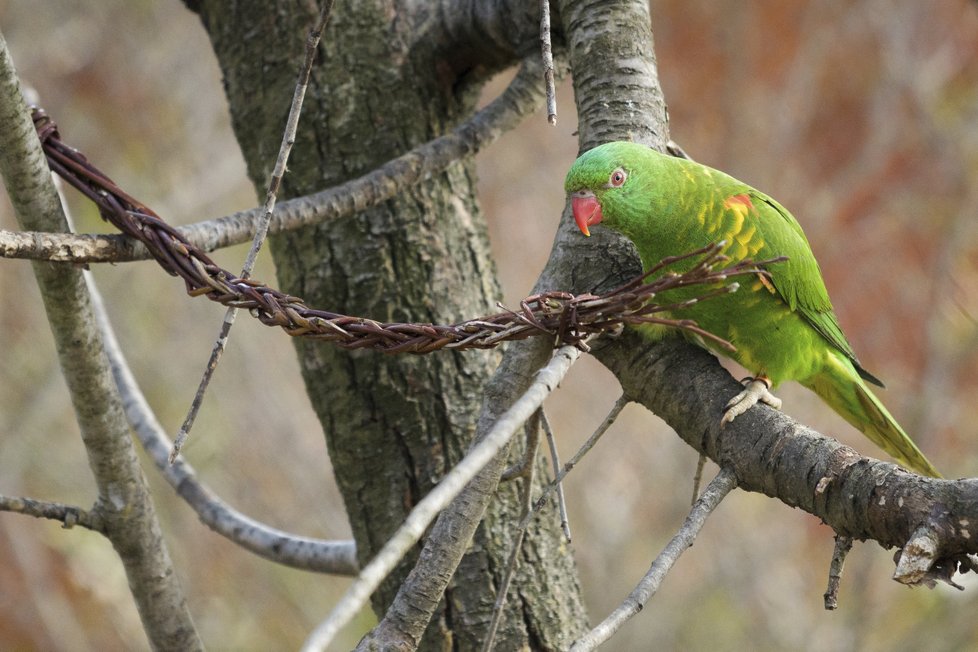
(564,317)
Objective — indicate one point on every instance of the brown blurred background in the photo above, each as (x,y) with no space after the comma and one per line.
(861,117)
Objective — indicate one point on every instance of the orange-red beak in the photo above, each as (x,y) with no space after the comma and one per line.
(587,210)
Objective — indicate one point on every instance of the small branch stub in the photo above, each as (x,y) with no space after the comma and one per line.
(919,561)
(843,545)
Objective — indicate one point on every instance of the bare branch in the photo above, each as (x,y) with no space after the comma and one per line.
(715,492)
(842,547)
(526,473)
(581,452)
(856,496)
(521,98)
(288,137)
(487,448)
(68,515)
(698,478)
(555,461)
(124,502)
(287,548)
(547,55)
(281,163)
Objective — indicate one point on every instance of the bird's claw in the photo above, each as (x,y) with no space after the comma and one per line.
(755,389)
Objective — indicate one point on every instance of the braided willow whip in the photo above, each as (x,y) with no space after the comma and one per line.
(566,318)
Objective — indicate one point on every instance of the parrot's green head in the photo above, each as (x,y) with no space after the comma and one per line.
(611,184)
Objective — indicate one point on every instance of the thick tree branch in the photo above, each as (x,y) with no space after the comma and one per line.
(616,84)
(772,454)
(479,37)
(124,504)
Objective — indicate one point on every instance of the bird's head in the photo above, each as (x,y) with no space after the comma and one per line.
(604,181)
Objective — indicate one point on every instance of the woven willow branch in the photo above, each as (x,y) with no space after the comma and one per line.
(567,318)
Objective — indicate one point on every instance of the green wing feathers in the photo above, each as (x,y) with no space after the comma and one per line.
(799,279)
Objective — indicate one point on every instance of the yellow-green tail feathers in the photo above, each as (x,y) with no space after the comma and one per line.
(840,387)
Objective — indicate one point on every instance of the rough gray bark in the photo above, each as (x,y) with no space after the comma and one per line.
(613,70)
(123,508)
(616,81)
(774,455)
(394,75)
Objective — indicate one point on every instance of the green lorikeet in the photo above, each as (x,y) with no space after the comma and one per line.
(782,326)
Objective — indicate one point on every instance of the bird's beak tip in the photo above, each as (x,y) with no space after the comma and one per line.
(587,212)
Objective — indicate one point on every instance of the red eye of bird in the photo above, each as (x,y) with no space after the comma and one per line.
(617,179)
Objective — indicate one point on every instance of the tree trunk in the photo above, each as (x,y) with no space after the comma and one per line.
(387,80)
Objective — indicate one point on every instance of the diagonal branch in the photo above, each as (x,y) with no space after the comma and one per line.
(521,98)
(261,232)
(772,454)
(715,492)
(124,503)
(485,452)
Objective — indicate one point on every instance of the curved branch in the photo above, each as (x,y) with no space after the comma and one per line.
(305,553)
(521,98)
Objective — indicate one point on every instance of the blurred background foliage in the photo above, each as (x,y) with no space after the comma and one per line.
(860,116)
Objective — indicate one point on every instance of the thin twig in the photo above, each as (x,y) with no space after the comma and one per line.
(715,492)
(450,486)
(698,477)
(68,515)
(288,138)
(526,497)
(261,232)
(581,452)
(555,460)
(546,51)
(843,545)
